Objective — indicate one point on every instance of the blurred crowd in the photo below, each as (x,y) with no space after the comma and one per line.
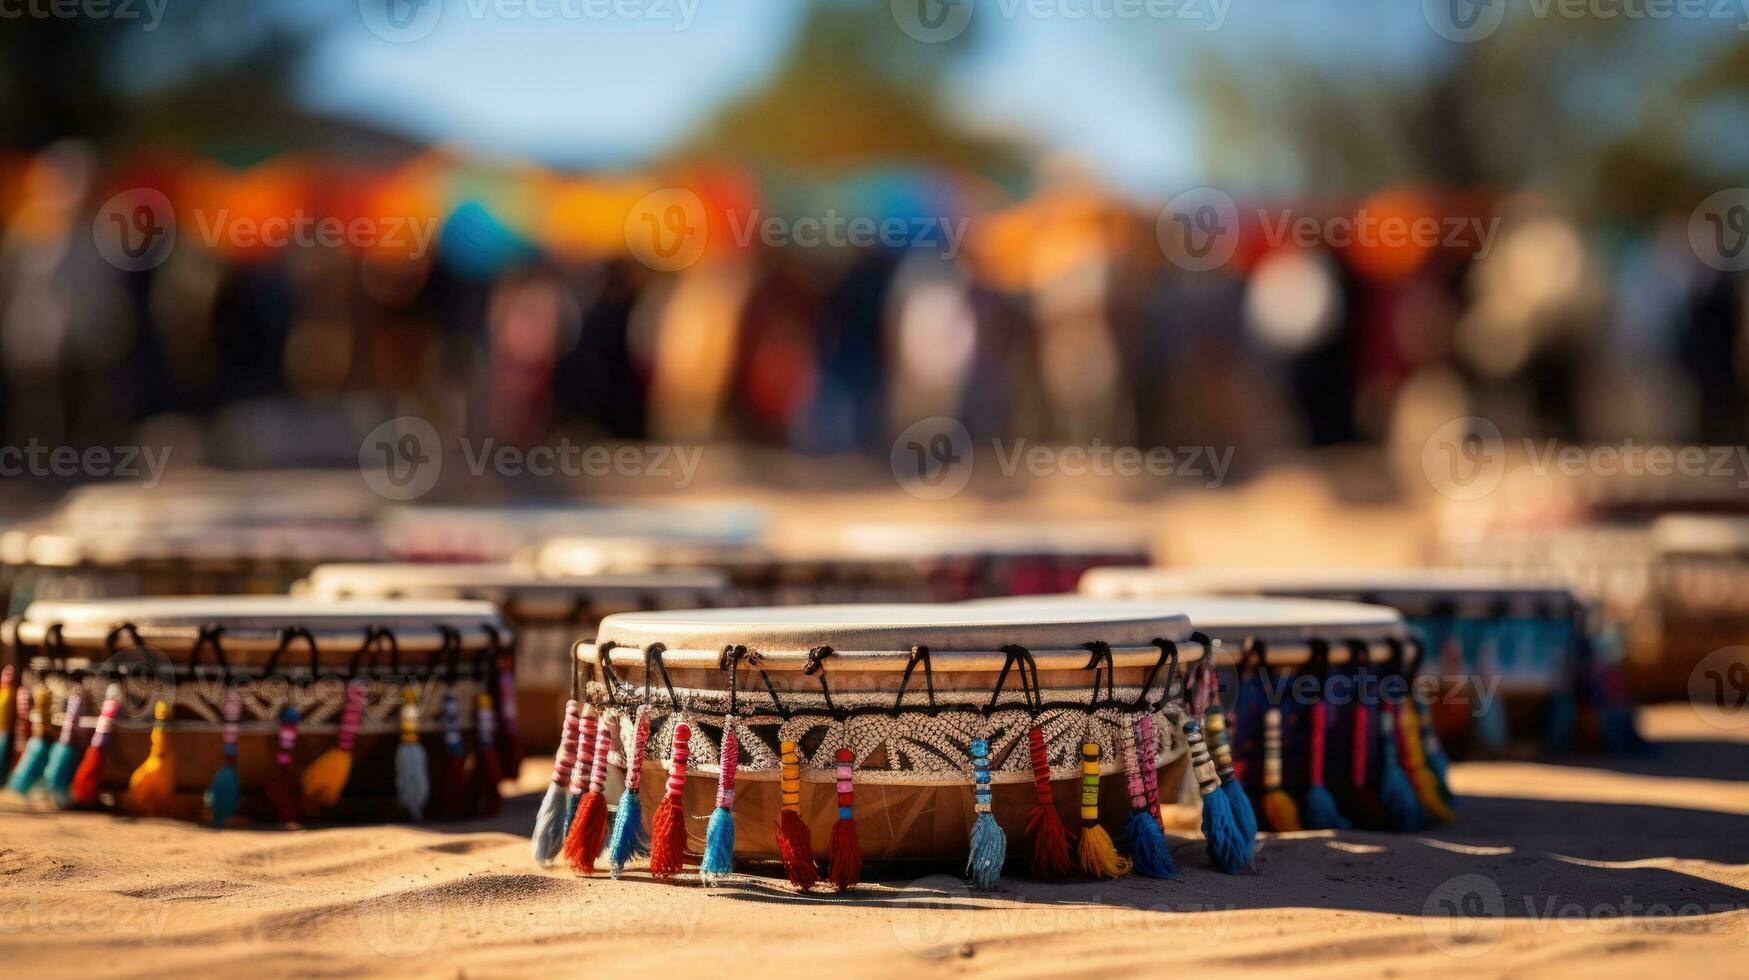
(278,307)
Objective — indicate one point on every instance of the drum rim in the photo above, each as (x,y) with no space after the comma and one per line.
(498,582)
(1414,589)
(253,623)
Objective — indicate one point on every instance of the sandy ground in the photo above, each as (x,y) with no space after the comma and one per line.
(1637,867)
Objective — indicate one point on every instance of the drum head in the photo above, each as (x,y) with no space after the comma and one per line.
(1233,619)
(1412,591)
(505,583)
(889,628)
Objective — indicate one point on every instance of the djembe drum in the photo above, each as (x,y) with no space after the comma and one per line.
(880,732)
(425,533)
(267,708)
(1323,716)
(757,575)
(1700,601)
(1510,655)
(548,614)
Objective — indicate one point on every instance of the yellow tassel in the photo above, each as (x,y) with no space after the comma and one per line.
(1279,809)
(1098,854)
(325,779)
(1426,787)
(152,786)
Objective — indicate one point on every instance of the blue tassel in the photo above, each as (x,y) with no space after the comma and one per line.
(719,846)
(222,794)
(1227,847)
(549,825)
(628,839)
(989,848)
(1318,811)
(571,810)
(1148,846)
(1402,810)
(5,752)
(1491,727)
(58,775)
(1244,817)
(1437,763)
(30,767)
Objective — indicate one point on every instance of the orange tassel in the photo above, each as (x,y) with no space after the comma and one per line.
(668,827)
(325,779)
(794,841)
(152,787)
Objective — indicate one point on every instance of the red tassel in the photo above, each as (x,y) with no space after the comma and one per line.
(589,824)
(1050,839)
(510,750)
(285,790)
(845,849)
(795,843)
(89,778)
(668,827)
(488,764)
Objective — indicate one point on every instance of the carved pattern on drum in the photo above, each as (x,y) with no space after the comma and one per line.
(914,748)
(199,705)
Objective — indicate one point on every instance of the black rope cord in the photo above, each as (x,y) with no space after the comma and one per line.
(287,636)
(1021,657)
(210,637)
(653,663)
(817,665)
(730,661)
(919,654)
(1100,662)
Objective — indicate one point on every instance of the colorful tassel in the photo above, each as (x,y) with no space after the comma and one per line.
(1226,846)
(89,779)
(845,849)
(488,770)
(588,828)
(450,792)
(719,839)
(629,839)
(549,820)
(1278,806)
(325,779)
(63,759)
(412,777)
(1098,855)
(794,842)
(29,770)
(989,845)
(1395,794)
(1214,723)
(1044,826)
(1428,789)
(1437,763)
(1320,811)
(152,787)
(223,792)
(668,826)
(510,749)
(283,790)
(8,704)
(1147,839)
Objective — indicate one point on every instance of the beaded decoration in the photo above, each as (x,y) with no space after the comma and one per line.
(88,779)
(794,841)
(989,846)
(222,794)
(1147,838)
(629,839)
(412,780)
(583,840)
(549,821)
(1278,807)
(844,850)
(1226,846)
(8,702)
(325,779)
(668,827)
(29,770)
(1098,854)
(488,764)
(282,785)
(57,778)
(719,847)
